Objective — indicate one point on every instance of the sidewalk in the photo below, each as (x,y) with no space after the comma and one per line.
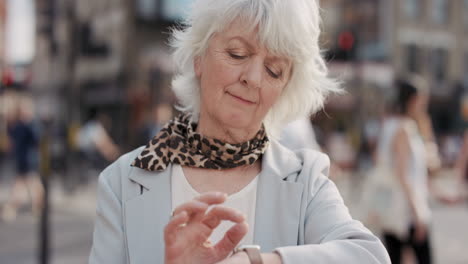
(82,200)
(71,227)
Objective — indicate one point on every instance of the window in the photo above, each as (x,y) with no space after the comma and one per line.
(413,58)
(440,11)
(412,8)
(147,9)
(466,70)
(439,65)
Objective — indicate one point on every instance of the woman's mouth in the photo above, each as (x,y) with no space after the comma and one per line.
(242,100)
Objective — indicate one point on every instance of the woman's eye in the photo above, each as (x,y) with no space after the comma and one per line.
(236,56)
(272,73)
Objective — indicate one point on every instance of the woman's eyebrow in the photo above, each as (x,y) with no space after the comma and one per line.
(244,41)
(281,61)
(250,46)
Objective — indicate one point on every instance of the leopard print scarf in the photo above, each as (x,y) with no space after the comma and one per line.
(178,143)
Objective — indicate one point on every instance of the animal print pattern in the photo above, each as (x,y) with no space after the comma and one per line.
(178,143)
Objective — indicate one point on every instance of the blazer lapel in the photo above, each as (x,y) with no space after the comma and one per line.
(146,216)
(278,200)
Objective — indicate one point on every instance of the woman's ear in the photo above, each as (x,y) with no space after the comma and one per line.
(197,66)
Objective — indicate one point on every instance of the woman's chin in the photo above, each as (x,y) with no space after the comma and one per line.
(238,121)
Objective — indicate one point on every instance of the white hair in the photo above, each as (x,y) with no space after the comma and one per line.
(289,28)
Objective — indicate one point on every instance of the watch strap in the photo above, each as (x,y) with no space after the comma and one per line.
(254,255)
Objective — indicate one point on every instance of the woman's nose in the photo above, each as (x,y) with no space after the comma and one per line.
(252,73)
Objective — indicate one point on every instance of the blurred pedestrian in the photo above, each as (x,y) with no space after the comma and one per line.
(94,141)
(160,115)
(299,134)
(461,167)
(24,135)
(402,149)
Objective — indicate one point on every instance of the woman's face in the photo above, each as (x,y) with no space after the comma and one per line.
(239,78)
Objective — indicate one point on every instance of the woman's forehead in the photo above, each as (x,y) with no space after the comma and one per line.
(239,29)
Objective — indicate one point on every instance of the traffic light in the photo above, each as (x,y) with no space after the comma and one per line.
(346,41)
(344,47)
(7,78)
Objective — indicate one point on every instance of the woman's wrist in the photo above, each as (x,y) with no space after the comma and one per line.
(271,258)
(241,257)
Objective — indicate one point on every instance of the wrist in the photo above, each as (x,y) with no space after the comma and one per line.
(271,258)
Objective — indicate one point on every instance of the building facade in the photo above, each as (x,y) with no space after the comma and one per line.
(425,37)
(2,32)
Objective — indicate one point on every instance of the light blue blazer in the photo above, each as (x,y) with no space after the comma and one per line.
(299,213)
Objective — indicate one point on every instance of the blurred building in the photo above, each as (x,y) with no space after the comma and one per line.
(431,40)
(2,32)
(370,42)
(113,55)
(109,55)
(3,129)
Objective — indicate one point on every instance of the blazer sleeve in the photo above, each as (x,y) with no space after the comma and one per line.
(330,234)
(108,238)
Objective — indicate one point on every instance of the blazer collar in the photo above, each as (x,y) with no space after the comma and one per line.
(280,161)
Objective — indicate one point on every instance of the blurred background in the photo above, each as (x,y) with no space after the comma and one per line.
(92,80)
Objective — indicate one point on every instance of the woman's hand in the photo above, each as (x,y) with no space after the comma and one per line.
(186,235)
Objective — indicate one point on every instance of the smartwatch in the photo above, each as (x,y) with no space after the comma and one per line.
(253,252)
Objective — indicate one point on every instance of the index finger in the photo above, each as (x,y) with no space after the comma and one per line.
(211,198)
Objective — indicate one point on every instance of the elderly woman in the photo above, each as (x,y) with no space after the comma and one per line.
(213,186)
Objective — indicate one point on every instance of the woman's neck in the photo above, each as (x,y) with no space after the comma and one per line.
(212,128)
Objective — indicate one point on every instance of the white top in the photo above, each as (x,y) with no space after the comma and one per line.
(417,166)
(244,201)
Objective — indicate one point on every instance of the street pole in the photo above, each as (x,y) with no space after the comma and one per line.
(44,230)
(45,143)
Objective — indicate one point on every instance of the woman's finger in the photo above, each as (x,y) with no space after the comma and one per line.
(191,207)
(176,222)
(200,204)
(218,213)
(231,239)
(212,198)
